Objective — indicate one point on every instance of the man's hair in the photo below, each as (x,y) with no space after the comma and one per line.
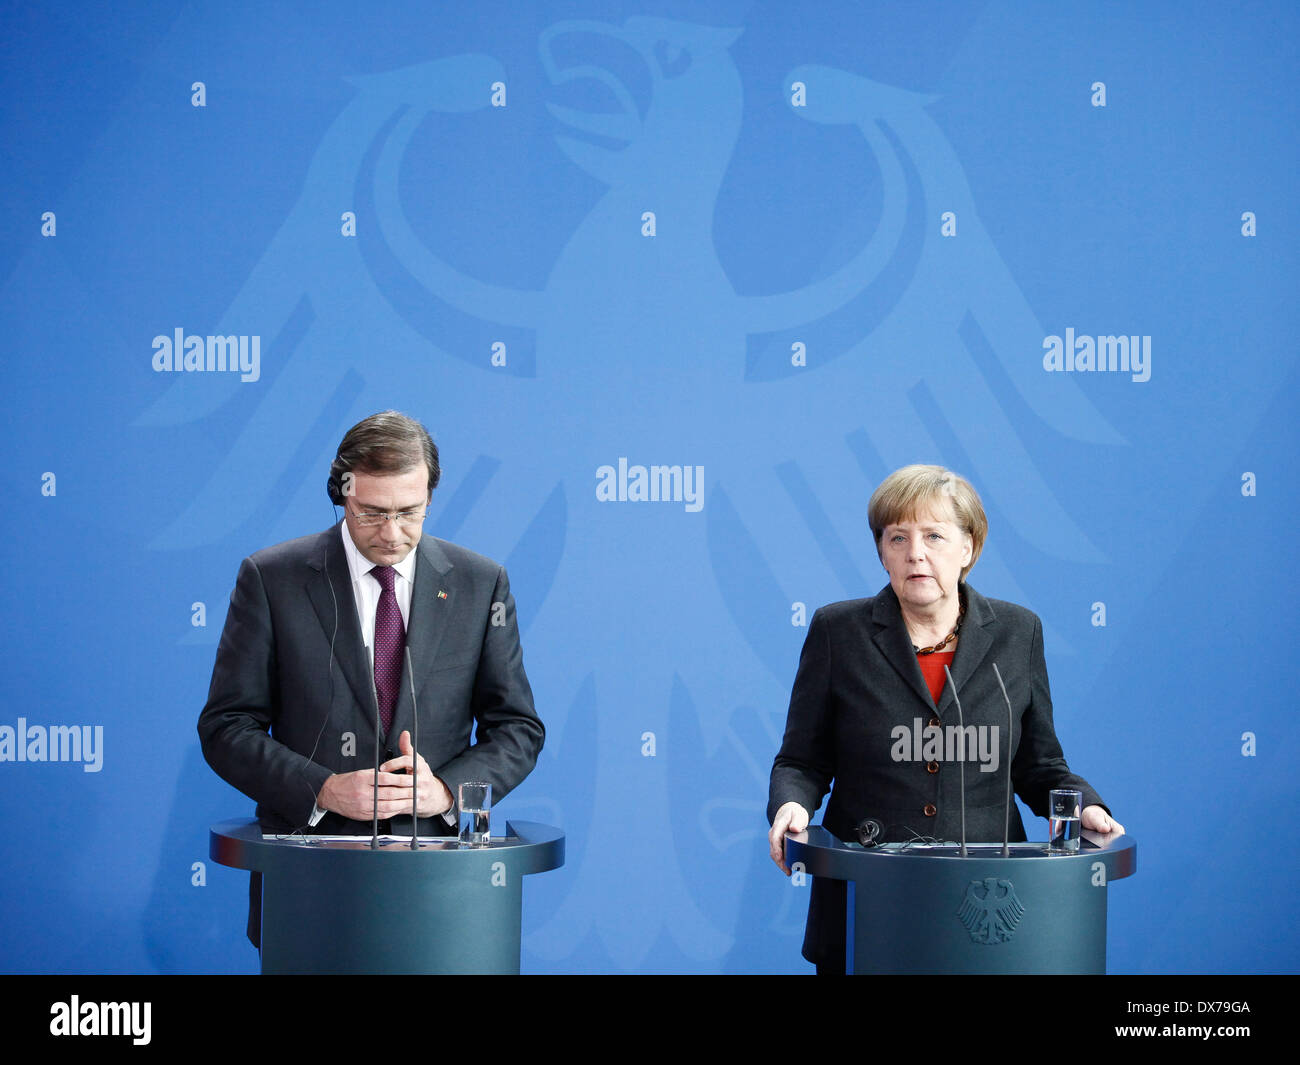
(385,443)
(907,493)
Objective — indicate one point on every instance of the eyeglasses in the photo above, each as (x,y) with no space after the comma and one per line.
(368,518)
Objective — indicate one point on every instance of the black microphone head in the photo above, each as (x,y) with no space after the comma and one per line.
(869,832)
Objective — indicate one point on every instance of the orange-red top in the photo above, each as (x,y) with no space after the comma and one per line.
(932,671)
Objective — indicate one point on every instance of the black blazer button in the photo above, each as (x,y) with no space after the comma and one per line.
(930,809)
(932,767)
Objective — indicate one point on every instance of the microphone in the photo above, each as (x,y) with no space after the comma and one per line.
(1006,820)
(374,817)
(869,832)
(962,763)
(415,754)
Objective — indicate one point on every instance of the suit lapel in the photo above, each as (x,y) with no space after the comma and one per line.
(329,586)
(424,630)
(973,643)
(891,637)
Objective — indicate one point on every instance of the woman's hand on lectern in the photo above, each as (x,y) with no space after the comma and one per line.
(1096,819)
(789,818)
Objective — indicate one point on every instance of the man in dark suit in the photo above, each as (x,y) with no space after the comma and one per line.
(290,716)
(862,693)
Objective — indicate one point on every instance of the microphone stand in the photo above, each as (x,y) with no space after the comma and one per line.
(415,755)
(961,724)
(374,819)
(1006,821)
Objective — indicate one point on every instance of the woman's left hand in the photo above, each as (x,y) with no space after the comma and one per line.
(1098,820)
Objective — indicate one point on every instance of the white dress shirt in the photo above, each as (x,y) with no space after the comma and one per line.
(366,589)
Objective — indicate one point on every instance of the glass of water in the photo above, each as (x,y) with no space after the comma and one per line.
(474,800)
(1063,825)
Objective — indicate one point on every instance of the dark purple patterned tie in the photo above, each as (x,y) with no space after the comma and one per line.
(390,638)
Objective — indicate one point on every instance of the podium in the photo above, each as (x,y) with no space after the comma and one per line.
(914,909)
(333,905)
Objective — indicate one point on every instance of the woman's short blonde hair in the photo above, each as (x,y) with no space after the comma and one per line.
(912,491)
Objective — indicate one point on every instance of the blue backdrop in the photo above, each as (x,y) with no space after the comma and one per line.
(787,247)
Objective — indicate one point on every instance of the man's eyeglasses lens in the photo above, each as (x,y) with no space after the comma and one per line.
(378,517)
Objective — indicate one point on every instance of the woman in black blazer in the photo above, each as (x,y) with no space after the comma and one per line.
(871,698)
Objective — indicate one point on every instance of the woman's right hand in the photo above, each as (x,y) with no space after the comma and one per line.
(789,818)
